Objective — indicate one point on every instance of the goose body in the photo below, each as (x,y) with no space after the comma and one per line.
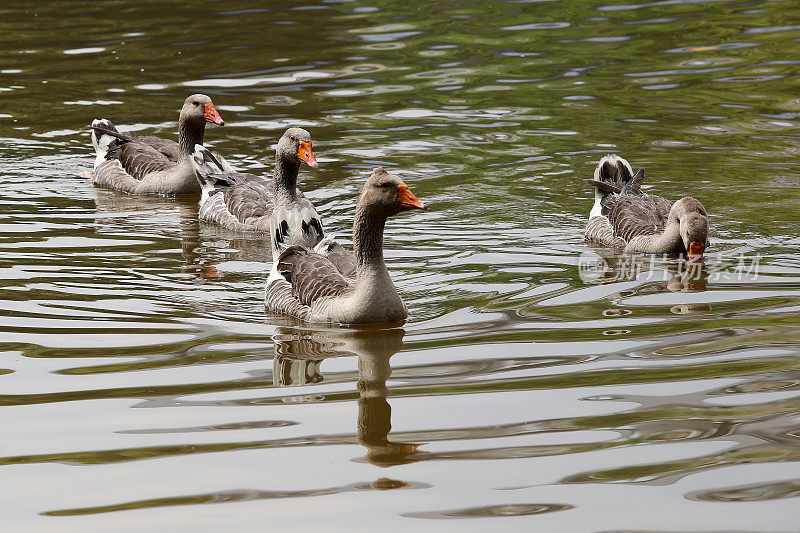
(151,165)
(245,202)
(624,216)
(330,284)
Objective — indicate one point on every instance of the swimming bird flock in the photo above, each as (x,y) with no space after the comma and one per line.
(313,277)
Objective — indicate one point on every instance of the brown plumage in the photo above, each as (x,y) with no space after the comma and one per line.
(311,275)
(340,287)
(624,216)
(150,165)
(246,202)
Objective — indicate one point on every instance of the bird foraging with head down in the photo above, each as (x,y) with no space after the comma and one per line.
(624,216)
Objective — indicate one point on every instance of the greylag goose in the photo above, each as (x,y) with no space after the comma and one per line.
(625,217)
(246,202)
(151,165)
(309,285)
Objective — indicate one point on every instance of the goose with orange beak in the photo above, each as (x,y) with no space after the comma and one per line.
(241,201)
(148,164)
(624,216)
(332,285)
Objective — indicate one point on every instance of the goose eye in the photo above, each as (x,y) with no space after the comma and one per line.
(196,103)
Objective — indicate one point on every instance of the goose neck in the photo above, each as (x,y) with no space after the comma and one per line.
(368,240)
(189,134)
(667,242)
(285,179)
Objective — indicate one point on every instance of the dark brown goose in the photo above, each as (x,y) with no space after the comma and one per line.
(310,286)
(625,217)
(246,202)
(151,165)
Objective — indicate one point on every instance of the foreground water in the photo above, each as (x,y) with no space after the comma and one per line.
(143,386)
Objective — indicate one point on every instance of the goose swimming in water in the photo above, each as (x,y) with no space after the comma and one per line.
(624,216)
(330,284)
(151,165)
(245,202)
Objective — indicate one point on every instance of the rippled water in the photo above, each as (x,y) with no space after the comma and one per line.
(142,385)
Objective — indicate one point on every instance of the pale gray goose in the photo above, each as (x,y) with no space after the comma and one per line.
(624,216)
(151,165)
(308,285)
(246,202)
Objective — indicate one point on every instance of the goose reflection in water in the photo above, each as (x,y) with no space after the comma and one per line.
(298,356)
(203,245)
(610,266)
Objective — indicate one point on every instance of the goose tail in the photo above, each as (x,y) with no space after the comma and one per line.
(611,175)
(105,137)
(209,167)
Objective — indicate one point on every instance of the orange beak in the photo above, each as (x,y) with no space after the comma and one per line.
(305,154)
(406,199)
(696,250)
(212,116)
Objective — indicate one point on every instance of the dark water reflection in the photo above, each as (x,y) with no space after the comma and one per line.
(540,383)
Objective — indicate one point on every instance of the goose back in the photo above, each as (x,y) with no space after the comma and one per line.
(632,215)
(238,201)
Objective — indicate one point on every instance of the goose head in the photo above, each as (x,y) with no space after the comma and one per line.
(385,195)
(295,146)
(692,219)
(198,109)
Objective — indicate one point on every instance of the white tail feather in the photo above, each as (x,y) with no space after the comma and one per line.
(294,225)
(613,160)
(206,162)
(101,143)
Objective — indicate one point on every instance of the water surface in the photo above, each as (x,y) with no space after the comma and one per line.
(142,384)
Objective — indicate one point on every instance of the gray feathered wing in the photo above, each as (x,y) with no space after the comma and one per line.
(635,215)
(311,275)
(170,149)
(249,196)
(138,159)
(344,260)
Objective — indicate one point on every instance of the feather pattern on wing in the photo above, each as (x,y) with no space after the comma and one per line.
(139,159)
(170,149)
(344,260)
(312,276)
(634,215)
(280,298)
(103,127)
(111,174)
(599,229)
